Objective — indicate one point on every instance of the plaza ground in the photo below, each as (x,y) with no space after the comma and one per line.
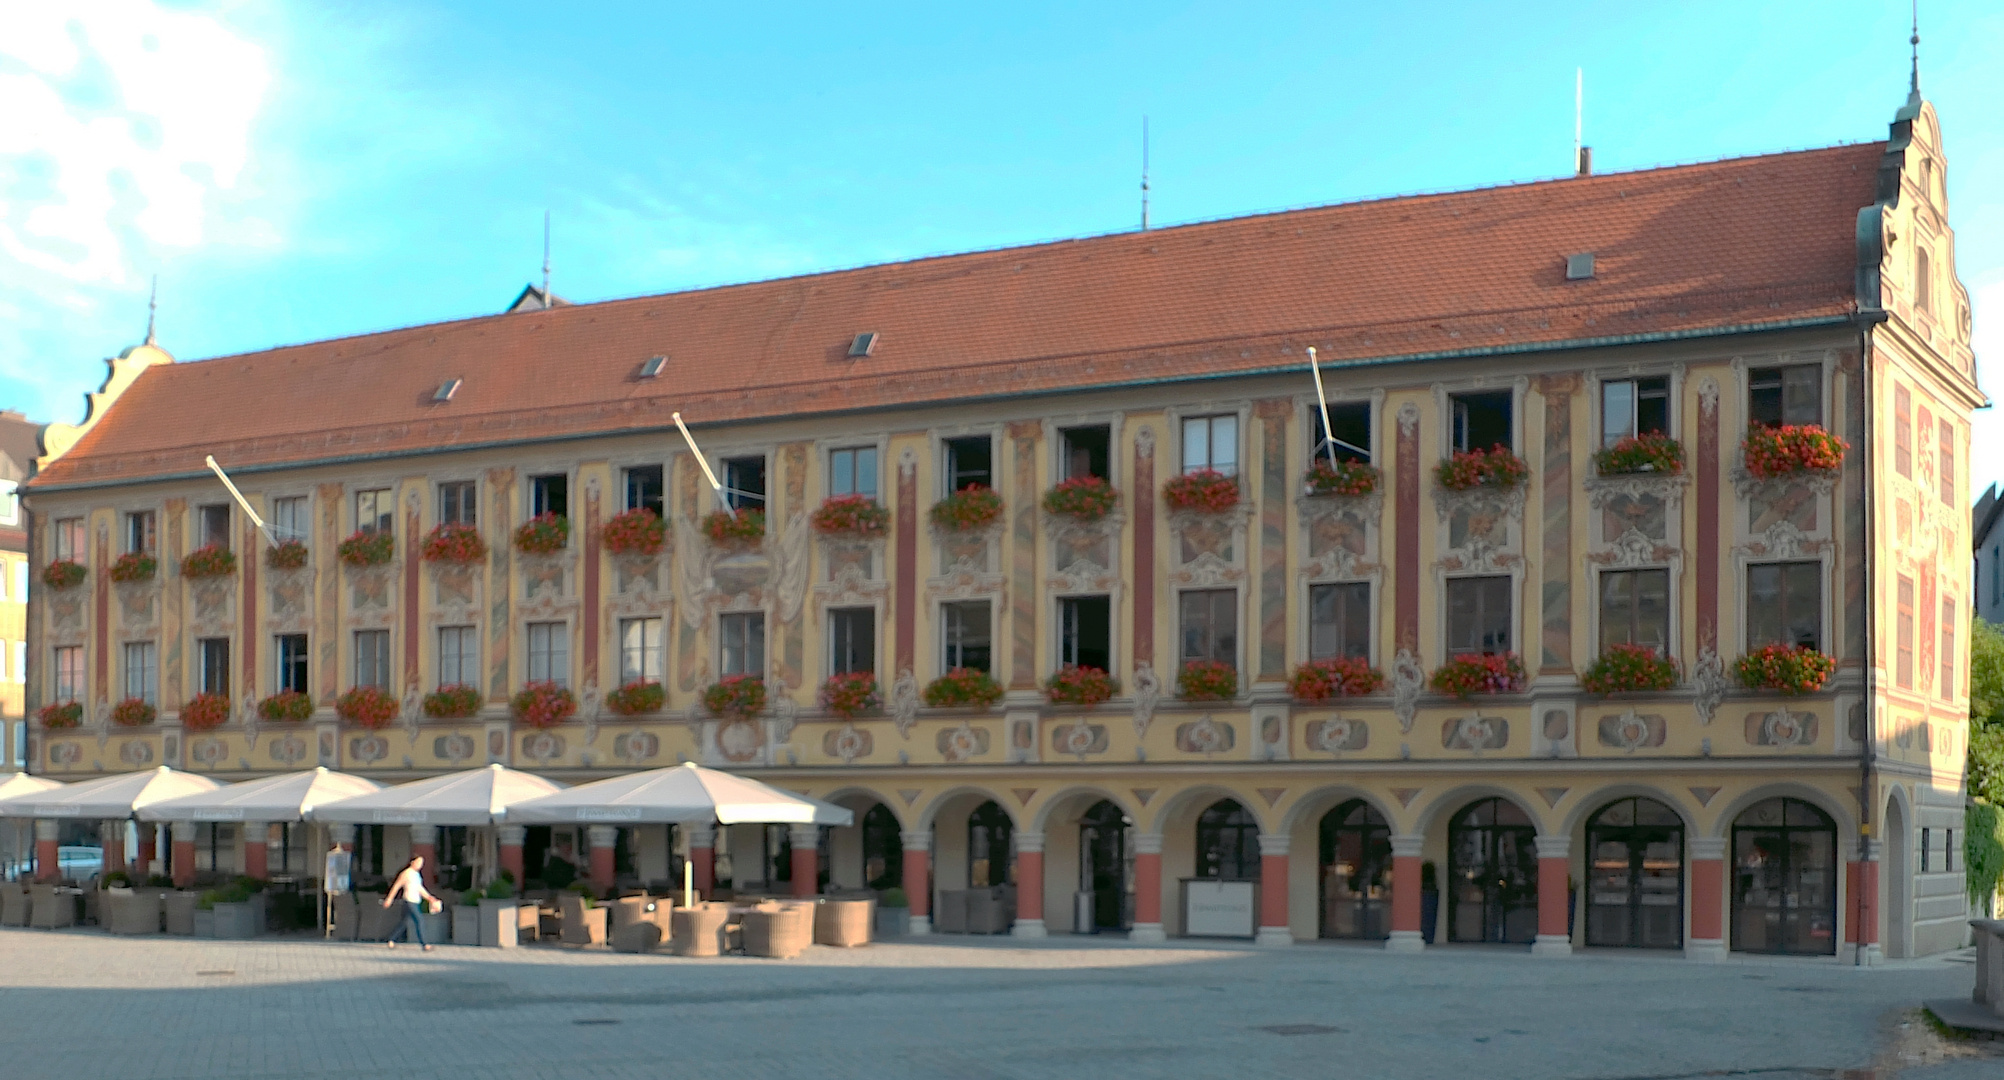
(81,1005)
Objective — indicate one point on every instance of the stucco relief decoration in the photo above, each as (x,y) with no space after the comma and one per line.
(1474,733)
(969,562)
(1635,517)
(1482,524)
(368,749)
(1336,735)
(212,604)
(287,750)
(1339,540)
(1084,554)
(135,752)
(138,606)
(1708,678)
(100,723)
(1631,731)
(291,598)
(848,743)
(252,723)
(1079,739)
(1205,736)
(456,748)
(785,711)
(1782,727)
(66,752)
(207,752)
(542,747)
(1783,539)
(963,743)
(1147,693)
(369,588)
(794,566)
(638,576)
(591,709)
(636,746)
(65,608)
(904,702)
(456,590)
(1408,683)
(740,740)
(853,567)
(1209,549)
(547,588)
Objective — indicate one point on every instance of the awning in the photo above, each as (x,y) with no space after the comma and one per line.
(107,798)
(275,798)
(478,797)
(18,784)
(684,794)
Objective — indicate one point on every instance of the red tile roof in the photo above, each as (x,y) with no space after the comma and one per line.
(1688,249)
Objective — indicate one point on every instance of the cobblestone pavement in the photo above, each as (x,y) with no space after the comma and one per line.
(82,1005)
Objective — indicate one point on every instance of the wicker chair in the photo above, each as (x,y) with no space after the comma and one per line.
(13,904)
(783,931)
(700,930)
(582,925)
(844,923)
(528,923)
(132,912)
(48,911)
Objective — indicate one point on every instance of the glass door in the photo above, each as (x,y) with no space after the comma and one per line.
(1356,872)
(1785,879)
(1635,885)
(1492,874)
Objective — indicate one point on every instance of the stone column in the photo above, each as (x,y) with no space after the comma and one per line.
(1273,928)
(703,858)
(1407,935)
(48,867)
(1861,909)
(424,845)
(806,843)
(1029,885)
(147,831)
(255,862)
(603,839)
(1147,890)
(114,845)
(184,854)
(1707,940)
(510,838)
(918,878)
(274,849)
(1554,899)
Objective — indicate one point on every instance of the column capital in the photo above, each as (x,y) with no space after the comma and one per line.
(1148,843)
(1274,844)
(602,836)
(424,834)
(1407,847)
(917,839)
(804,835)
(1554,847)
(184,832)
(1029,842)
(48,829)
(1708,847)
(341,833)
(511,835)
(702,836)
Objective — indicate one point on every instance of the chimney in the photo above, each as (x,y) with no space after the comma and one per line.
(1586,161)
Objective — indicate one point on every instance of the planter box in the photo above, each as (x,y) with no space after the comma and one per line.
(181,913)
(466,925)
(438,927)
(377,922)
(893,922)
(497,923)
(347,917)
(233,922)
(1429,914)
(204,923)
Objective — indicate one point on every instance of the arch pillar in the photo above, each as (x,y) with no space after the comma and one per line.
(114,845)
(48,867)
(1706,941)
(510,838)
(804,843)
(1861,907)
(1029,885)
(602,839)
(918,878)
(1406,933)
(1147,929)
(144,865)
(1555,936)
(1273,930)
(184,852)
(257,862)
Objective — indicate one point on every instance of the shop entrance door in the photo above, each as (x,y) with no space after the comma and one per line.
(1635,885)
(1103,842)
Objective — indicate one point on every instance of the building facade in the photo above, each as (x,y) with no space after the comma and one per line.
(457,492)
(19,447)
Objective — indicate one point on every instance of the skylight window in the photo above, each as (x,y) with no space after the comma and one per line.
(653,366)
(1579,267)
(445,390)
(862,345)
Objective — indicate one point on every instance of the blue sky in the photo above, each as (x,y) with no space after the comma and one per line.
(295,172)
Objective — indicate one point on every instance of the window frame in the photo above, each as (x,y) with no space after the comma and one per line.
(556,647)
(946,633)
(1512,586)
(943,455)
(835,664)
(1210,418)
(148,685)
(657,652)
(1312,429)
(212,665)
(1945,649)
(207,517)
(281,679)
(1060,623)
(70,538)
(450,505)
(722,464)
(362,661)
(534,500)
(1635,379)
(303,504)
(626,471)
(1451,399)
(1905,645)
(142,532)
(725,620)
(375,494)
(1746,569)
(459,657)
(851,451)
(1063,453)
(1903,435)
(1370,617)
(1236,650)
(66,685)
(1781,368)
(1670,583)
(1945,456)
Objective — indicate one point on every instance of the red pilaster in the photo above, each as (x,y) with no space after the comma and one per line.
(511,861)
(1861,915)
(184,862)
(1030,885)
(918,881)
(1406,894)
(1708,879)
(114,847)
(429,853)
(806,871)
(703,867)
(48,866)
(255,863)
(1148,888)
(601,867)
(1553,898)
(146,851)
(1273,892)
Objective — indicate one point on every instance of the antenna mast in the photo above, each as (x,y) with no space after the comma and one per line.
(152,306)
(1144,174)
(1914,42)
(546,259)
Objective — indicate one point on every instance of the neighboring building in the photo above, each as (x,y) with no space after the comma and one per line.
(1987,542)
(1551,319)
(19,447)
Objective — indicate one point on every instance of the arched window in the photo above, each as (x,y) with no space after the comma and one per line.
(1356,872)
(1227,843)
(1492,872)
(883,849)
(988,831)
(1785,879)
(1635,876)
(1103,867)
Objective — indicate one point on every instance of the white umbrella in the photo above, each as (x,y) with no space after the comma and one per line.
(476,797)
(111,797)
(685,794)
(290,797)
(17,784)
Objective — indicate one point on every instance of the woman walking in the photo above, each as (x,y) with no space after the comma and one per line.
(410,886)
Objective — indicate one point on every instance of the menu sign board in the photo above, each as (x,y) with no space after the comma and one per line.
(338,866)
(1219,908)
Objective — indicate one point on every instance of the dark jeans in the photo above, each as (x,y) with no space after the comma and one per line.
(413,924)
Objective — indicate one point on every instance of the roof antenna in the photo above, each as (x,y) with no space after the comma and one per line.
(1144,174)
(546,259)
(1582,154)
(1914,42)
(152,306)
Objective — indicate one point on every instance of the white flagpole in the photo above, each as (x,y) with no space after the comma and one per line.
(241,501)
(702,461)
(1322,401)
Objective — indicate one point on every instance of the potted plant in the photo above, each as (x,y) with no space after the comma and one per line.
(286,555)
(213,560)
(286,706)
(1207,680)
(132,712)
(63,574)
(453,542)
(638,531)
(637,697)
(1785,669)
(972,508)
(1776,453)
(1082,498)
(1083,687)
(894,913)
(1650,452)
(1468,674)
(1345,676)
(543,704)
(59,715)
(962,687)
(1629,669)
(236,913)
(1429,901)
(1205,491)
(466,918)
(544,534)
(367,706)
(741,528)
(498,921)
(858,516)
(455,701)
(738,697)
(1346,478)
(850,694)
(205,712)
(134,567)
(367,548)
(1495,468)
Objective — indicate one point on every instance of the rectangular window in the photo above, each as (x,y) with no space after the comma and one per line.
(1348,432)
(142,532)
(1923,281)
(142,672)
(1478,615)
(1339,621)
(550,652)
(1903,669)
(1785,604)
(20,744)
(70,539)
(1948,852)
(1085,632)
(1947,686)
(852,641)
(1211,442)
(289,519)
(1631,407)
(1903,431)
(214,656)
(1088,451)
(215,525)
(458,656)
(375,511)
(744,482)
(853,471)
(742,640)
(1927,849)
(970,462)
(458,503)
(1785,395)
(645,489)
(290,650)
(372,658)
(21,580)
(1947,466)
(69,673)
(968,637)
(10,503)
(1210,625)
(1483,421)
(640,651)
(20,656)
(550,494)
(1635,609)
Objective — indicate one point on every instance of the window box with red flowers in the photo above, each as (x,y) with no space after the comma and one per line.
(1344,676)
(638,531)
(1629,669)
(859,516)
(543,704)
(1495,468)
(1082,498)
(1353,479)
(455,702)
(1651,452)
(366,549)
(962,688)
(454,542)
(739,697)
(133,567)
(850,694)
(132,712)
(215,560)
(1205,491)
(1468,674)
(286,555)
(63,574)
(544,534)
(1778,453)
(1785,669)
(367,706)
(1207,680)
(637,698)
(286,707)
(971,508)
(61,715)
(205,712)
(741,528)
(1084,687)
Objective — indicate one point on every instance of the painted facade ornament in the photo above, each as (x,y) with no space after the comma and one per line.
(1206,736)
(1783,539)
(1085,556)
(793,567)
(847,742)
(101,722)
(1409,415)
(636,746)
(134,752)
(1632,549)
(542,747)
(1483,527)
(1708,678)
(1144,443)
(1631,731)
(1782,727)
(962,743)
(591,709)
(1604,492)
(1408,682)
(1339,536)
(1475,733)
(248,717)
(1079,739)
(456,748)
(287,749)
(785,711)
(1334,736)
(904,702)
(1147,695)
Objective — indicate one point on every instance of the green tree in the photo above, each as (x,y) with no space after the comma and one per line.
(1986,712)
